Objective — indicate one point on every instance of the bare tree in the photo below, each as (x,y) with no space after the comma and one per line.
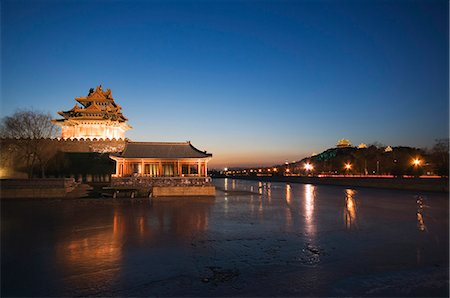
(28,133)
(440,156)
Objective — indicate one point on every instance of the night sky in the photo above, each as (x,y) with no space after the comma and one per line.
(253,82)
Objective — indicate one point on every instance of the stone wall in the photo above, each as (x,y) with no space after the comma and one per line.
(36,188)
(81,145)
(13,163)
(179,191)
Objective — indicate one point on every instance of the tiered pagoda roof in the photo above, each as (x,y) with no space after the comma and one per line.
(97,105)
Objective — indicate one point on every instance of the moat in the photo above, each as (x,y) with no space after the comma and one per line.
(252,239)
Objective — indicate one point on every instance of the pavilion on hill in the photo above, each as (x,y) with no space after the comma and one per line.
(343,143)
(99,116)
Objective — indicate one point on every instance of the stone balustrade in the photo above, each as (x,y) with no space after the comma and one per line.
(150,182)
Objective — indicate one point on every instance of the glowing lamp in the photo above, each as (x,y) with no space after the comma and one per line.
(308,167)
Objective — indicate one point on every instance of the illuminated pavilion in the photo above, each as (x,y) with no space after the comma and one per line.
(161,159)
(99,116)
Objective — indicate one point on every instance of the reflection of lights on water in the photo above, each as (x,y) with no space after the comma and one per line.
(350,209)
(225,184)
(226,206)
(288,217)
(141,225)
(233,184)
(420,223)
(309,208)
(288,194)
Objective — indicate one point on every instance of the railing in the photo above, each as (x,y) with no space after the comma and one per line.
(148,182)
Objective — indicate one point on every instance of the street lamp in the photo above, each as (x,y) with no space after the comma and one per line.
(347,167)
(416,162)
(308,167)
(416,166)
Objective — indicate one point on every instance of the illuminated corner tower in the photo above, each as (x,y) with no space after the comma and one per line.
(97,117)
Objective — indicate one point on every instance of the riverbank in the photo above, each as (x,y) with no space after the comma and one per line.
(422,184)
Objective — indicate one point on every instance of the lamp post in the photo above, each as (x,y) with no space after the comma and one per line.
(347,167)
(416,165)
(308,167)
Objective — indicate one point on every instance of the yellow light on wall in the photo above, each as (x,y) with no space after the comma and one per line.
(287,170)
(348,166)
(416,162)
(308,167)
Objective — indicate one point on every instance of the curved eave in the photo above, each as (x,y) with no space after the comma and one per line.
(199,151)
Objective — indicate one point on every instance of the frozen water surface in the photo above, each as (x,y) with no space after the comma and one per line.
(253,239)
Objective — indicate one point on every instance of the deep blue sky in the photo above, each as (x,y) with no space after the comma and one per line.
(253,82)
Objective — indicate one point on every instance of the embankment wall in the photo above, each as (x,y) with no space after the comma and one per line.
(181,191)
(48,188)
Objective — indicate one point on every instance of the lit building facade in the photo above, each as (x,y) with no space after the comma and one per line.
(98,117)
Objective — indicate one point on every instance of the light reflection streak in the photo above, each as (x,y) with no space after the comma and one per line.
(288,193)
(350,209)
(226,205)
(288,218)
(310,227)
(420,223)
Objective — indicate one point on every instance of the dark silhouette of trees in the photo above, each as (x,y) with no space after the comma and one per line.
(377,160)
(26,136)
(440,156)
